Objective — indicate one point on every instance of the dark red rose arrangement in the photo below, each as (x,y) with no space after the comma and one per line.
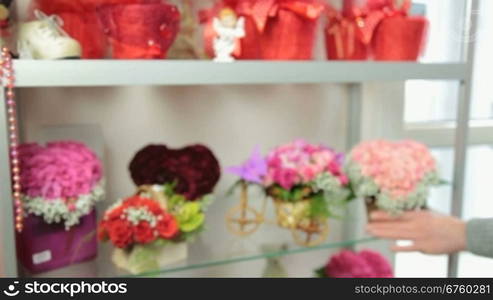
(194,170)
(137,220)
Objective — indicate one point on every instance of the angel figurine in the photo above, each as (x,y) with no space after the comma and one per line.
(229,28)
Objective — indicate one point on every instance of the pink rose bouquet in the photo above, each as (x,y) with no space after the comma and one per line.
(60,181)
(301,163)
(308,177)
(393,176)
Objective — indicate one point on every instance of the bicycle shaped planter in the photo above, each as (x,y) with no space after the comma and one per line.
(244,219)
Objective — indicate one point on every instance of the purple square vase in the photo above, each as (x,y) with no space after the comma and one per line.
(43,247)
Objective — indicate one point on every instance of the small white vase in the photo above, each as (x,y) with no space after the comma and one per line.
(165,256)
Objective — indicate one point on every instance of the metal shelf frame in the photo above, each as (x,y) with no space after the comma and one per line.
(90,73)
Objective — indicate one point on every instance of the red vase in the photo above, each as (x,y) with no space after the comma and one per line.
(288,36)
(140,31)
(400,38)
(342,43)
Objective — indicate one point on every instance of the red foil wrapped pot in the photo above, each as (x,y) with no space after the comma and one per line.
(284,29)
(343,41)
(398,36)
(140,31)
(349,33)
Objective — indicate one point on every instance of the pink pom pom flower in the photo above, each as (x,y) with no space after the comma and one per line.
(363,264)
(60,181)
(300,163)
(397,174)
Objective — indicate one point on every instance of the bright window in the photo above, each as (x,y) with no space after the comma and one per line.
(435,104)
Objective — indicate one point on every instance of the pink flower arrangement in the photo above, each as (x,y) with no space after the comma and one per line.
(397,168)
(363,264)
(62,169)
(300,163)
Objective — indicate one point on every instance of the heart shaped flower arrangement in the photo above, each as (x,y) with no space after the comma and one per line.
(397,176)
(193,170)
(61,181)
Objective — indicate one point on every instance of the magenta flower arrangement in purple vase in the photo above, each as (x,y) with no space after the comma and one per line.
(306,182)
(61,183)
(363,264)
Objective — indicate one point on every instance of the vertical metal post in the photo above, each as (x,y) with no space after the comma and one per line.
(351,230)
(375,110)
(462,131)
(354,116)
(7,234)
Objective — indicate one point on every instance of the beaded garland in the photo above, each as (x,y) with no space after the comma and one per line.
(8,80)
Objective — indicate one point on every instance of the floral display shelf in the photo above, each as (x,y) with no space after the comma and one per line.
(92,73)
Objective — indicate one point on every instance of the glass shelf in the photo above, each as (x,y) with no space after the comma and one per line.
(217,252)
(252,257)
(200,264)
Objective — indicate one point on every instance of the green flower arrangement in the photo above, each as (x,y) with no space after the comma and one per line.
(189,214)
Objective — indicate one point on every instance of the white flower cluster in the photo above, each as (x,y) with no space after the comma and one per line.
(56,210)
(365,187)
(137,214)
(331,186)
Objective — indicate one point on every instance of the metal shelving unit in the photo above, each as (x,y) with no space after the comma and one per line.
(88,73)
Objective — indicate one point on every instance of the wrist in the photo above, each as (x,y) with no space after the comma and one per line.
(460,229)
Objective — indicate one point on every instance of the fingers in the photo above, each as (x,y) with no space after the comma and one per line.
(396,226)
(391,234)
(410,248)
(382,216)
(392,230)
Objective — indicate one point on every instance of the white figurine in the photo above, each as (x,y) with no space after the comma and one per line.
(228,29)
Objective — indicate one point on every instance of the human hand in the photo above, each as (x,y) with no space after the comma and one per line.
(431,233)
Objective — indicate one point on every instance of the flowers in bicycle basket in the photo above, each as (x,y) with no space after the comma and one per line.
(299,172)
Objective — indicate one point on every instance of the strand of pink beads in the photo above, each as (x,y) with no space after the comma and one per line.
(8,79)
